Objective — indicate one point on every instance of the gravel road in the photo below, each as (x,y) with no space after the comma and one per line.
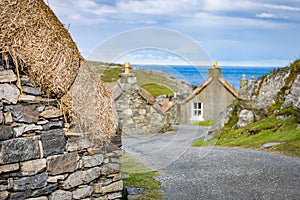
(213,172)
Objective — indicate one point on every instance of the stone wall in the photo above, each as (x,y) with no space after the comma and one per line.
(138,111)
(39,159)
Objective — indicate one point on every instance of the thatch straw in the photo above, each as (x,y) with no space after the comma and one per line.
(91,106)
(44,48)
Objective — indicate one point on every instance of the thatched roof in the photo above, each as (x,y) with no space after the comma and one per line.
(42,48)
(37,40)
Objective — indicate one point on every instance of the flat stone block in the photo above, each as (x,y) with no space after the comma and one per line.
(38,198)
(23,128)
(32,90)
(61,195)
(7,76)
(81,177)
(20,195)
(82,192)
(31,182)
(20,149)
(9,168)
(92,161)
(4,195)
(114,187)
(9,93)
(110,168)
(60,164)
(45,190)
(6,132)
(53,142)
(76,143)
(33,167)
(27,114)
(51,113)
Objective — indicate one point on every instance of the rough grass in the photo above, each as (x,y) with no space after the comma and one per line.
(207,123)
(264,131)
(157,90)
(141,177)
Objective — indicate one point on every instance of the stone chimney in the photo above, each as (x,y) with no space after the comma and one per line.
(128,79)
(243,82)
(215,71)
(252,80)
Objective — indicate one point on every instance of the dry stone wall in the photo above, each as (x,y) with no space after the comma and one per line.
(39,160)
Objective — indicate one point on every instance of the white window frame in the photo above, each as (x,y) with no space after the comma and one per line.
(196,117)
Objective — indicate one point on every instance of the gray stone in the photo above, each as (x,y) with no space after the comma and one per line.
(4,195)
(20,195)
(114,187)
(245,117)
(59,164)
(134,191)
(45,190)
(27,114)
(25,80)
(1,117)
(53,125)
(110,168)
(97,188)
(9,168)
(31,182)
(8,118)
(27,98)
(9,93)
(6,132)
(32,90)
(76,143)
(7,76)
(92,161)
(297,110)
(51,112)
(53,142)
(20,149)
(55,179)
(82,192)
(81,177)
(61,195)
(23,128)
(271,144)
(116,195)
(33,167)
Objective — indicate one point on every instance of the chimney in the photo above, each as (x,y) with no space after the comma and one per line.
(215,71)
(243,82)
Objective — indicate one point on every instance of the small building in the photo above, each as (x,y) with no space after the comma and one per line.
(207,100)
(138,111)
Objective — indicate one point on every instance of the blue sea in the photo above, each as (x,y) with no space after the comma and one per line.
(196,75)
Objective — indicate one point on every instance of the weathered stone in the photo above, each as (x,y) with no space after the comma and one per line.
(4,195)
(27,114)
(76,143)
(271,144)
(43,123)
(53,125)
(33,167)
(27,98)
(114,187)
(31,182)
(61,195)
(116,195)
(97,188)
(110,168)
(55,179)
(9,93)
(20,195)
(82,192)
(9,168)
(51,112)
(45,190)
(20,149)
(53,142)
(1,117)
(297,110)
(7,76)
(92,161)
(32,90)
(38,198)
(23,128)
(245,117)
(8,118)
(60,164)
(81,177)
(6,132)
(25,80)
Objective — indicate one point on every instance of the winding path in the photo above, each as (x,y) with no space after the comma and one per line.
(212,172)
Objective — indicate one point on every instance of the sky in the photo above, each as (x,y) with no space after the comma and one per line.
(232,32)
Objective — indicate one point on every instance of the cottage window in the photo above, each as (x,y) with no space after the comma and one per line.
(197,111)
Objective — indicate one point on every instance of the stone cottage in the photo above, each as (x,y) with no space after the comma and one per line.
(139,112)
(207,100)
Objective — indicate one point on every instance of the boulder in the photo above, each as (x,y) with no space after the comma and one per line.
(245,118)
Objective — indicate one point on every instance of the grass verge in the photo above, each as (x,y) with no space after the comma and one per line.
(206,123)
(141,177)
(157,90)
(264,131)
